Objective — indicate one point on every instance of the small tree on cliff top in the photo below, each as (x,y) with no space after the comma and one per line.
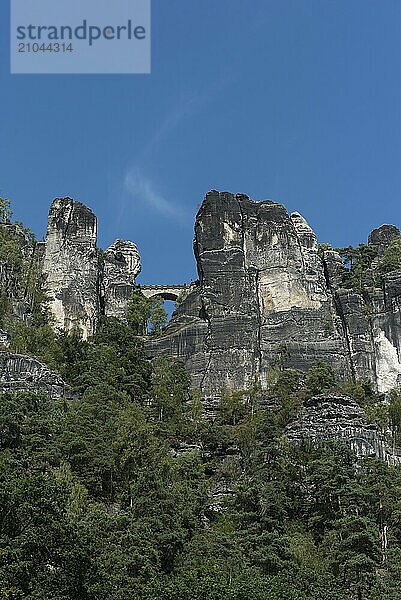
(5,210)
(391,260)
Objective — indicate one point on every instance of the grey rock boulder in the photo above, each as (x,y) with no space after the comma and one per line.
(381,237)
(326,417)
(20,373)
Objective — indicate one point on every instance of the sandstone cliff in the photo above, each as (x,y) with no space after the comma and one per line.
(338,417)
(266,294)
(79,286)
(122,264)
(70,266)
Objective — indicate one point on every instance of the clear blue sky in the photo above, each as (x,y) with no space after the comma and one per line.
(298,101)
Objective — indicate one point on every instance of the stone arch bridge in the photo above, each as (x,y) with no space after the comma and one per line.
(167,292)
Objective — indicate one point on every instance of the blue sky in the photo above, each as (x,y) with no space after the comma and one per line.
(298,101)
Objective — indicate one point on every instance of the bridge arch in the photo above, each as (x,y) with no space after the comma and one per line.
(167,292)
(165,295)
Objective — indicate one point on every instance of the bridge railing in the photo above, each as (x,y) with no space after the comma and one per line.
(179,286)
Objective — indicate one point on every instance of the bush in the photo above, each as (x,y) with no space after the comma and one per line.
(320,378)
(391,260)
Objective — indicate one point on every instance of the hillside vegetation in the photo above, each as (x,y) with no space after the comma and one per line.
(126,491)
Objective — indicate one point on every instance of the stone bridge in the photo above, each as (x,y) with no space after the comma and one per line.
(167,292)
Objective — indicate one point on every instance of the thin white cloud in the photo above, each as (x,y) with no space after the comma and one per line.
(140,187)
(143,191)
(187,105)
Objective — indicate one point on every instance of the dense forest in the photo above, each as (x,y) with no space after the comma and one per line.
(125,490)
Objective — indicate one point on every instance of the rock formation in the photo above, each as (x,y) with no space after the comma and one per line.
(19,373)
(382,236)
(265,294)
(372,318)
(78,287)
(122,264)
(340,417)
(261,290)
(19,260)
(70,266)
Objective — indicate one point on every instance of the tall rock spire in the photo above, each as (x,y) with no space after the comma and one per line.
(122,264)
(70,266)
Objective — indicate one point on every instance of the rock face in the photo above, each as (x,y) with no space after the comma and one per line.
(382,236)
(122,264)
(19,373)
(262,293)
(79,286)
(372,319)
(70,266)
(340,417)
(265,294)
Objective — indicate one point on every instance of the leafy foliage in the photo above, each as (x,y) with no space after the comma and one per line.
(146,314)
(359,273)
(20,281)
(95,502)
(320,378)
(391,260)
(5,210)
(361,270)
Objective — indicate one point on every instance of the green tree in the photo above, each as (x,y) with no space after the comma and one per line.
(320,378)
(5,210)
(145,314)
(391,260)
(170,388)
(87,438)
(356,554)
(285,386)
(394,413)
(233,407)
(359,273)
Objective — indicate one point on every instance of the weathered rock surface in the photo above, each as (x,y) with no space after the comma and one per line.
(81,288)
(340,417)
(4,339)
(265,294)
(20,373)
(372,319)
(381,237)
(122,264)
(70,266)
(386,331)
(261,288)
(264,291)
